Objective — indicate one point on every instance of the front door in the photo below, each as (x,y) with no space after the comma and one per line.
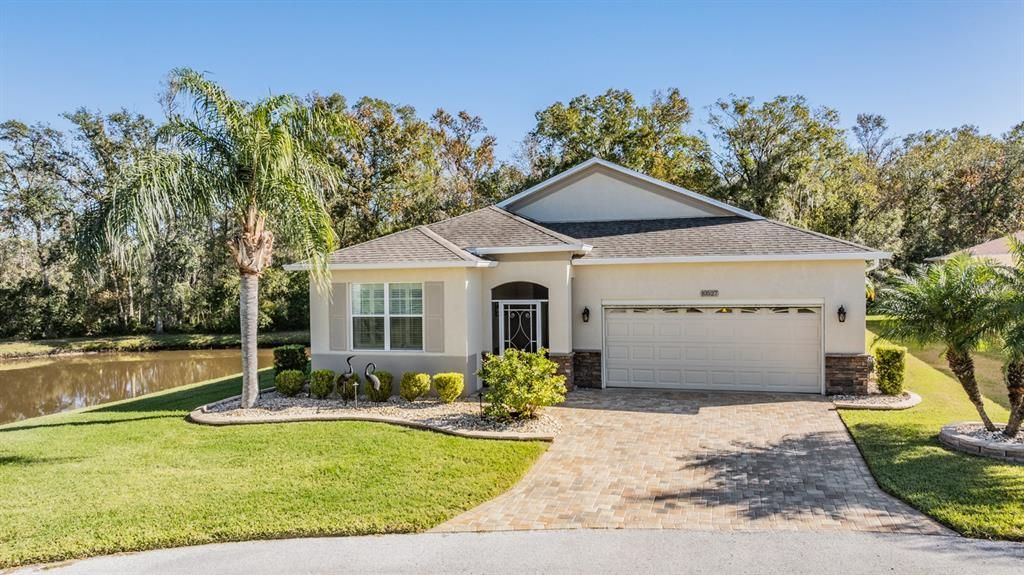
(520,325)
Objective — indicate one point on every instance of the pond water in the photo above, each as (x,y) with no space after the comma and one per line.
(37,386)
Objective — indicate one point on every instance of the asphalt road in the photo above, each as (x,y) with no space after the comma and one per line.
(580,551)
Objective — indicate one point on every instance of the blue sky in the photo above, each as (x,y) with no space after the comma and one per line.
(921,64)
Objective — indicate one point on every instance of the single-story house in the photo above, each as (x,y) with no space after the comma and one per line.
(997,250)
(626,280)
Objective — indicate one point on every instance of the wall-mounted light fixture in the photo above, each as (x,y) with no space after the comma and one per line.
(842,314)
(586,314)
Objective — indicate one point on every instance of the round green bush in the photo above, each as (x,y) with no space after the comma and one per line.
(289,382)
(347,390)
(413,385)
(292,356)
(384,392)
(890,366)
(449,386)
(520,384)
(321,383)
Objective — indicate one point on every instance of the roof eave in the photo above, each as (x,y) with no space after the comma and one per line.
(851,256)
(497,250)
(398,265)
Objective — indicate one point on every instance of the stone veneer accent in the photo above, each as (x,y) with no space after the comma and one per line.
(587,367)
(848,373)
(565,367)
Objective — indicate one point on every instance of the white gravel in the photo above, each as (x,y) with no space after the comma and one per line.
(874,399)
(458,416)
(979,432)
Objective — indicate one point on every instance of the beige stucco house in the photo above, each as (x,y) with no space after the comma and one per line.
(997,251)
(628,281)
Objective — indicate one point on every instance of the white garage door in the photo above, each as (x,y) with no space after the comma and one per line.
(729,348)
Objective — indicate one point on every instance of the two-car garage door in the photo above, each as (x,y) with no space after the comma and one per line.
(765,348)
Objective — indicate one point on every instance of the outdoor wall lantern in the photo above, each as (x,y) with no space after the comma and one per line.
(586,314)
(842,314)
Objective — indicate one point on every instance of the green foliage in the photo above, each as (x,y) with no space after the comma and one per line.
(321,383)
(289,382)
(449,386)
(520,384)
(413,385)
(292,356)
(384,393)
(348,389)
(890,365)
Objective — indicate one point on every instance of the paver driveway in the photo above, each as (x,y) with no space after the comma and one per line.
(713,461)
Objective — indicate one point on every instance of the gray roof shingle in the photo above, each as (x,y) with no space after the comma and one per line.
(718,236)
(412,245)
(494,227)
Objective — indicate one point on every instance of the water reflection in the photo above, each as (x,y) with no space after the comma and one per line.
(40,386)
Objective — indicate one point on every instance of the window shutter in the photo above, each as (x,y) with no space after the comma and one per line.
(338,317)
(433,317)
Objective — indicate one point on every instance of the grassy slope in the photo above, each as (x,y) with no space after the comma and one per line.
(11,349)
(134,475)
(977,497)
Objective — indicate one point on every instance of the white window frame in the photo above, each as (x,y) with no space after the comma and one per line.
(387,317)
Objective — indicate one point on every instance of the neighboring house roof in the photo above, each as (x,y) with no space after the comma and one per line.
(710,239)
(996,247)
(598,162)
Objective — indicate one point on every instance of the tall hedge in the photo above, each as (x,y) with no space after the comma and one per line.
(890,367)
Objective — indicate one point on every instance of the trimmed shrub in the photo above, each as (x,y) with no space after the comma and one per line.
(449,386)
(520,384)
(413,385)
(321,383)
(384,392)
(347,390)
(289,382)
(890,365)
(290,357)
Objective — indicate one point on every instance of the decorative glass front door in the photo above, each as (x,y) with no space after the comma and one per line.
(520,325)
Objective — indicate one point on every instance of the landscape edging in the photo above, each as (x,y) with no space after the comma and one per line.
(911,401)
(203,416)
(951,438)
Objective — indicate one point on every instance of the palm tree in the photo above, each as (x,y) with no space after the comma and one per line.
(952,304)
(261,164)
(1011,320)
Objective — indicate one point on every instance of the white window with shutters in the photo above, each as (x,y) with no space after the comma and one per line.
(387,316)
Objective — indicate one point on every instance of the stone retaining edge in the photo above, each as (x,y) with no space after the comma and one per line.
(911,401)
(201,415)
(1012,453)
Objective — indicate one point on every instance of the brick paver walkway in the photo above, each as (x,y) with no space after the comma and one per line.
(710,461)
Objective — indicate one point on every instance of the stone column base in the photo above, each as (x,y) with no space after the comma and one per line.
(587,366)
(565,367)
(848,373)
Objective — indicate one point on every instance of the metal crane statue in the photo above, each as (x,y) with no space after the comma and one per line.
(373,379)
(347,378)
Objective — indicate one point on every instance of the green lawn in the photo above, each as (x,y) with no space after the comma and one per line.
(14,348)
(988,364)
(134,475)
(978,497)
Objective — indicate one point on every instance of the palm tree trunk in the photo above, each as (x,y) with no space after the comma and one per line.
(249,315)
(962,366)
(1015,389)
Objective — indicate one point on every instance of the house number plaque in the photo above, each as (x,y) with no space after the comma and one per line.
(708,293)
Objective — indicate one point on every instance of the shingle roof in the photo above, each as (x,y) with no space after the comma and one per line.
(996,247)
(494,227)
(412,245)
(718,236)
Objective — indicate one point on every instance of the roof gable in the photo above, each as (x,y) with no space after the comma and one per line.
(597,190)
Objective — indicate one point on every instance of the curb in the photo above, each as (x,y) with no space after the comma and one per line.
(203,416)
(907,403)
(1008,452)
